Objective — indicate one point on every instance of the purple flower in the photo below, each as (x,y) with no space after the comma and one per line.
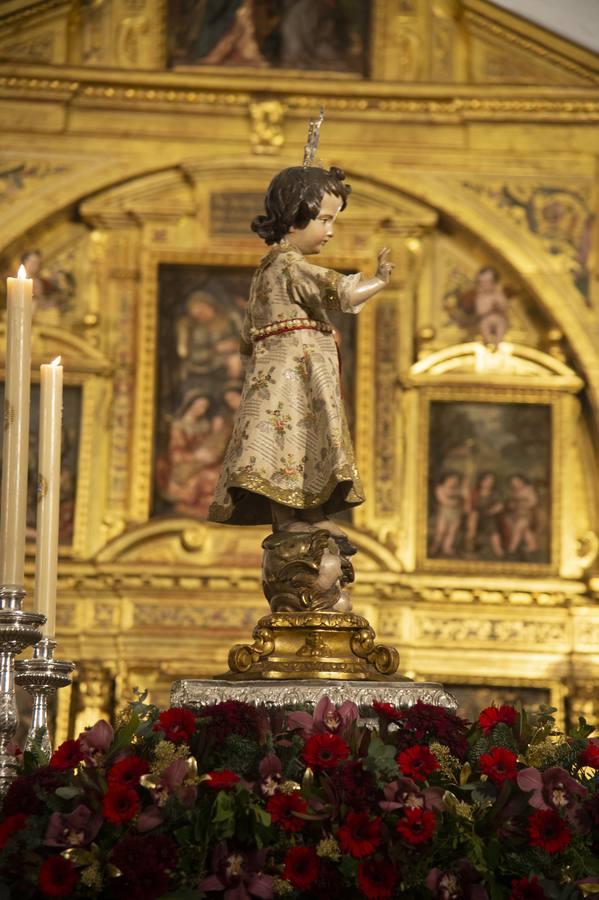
(77,829)
(238,874)
(172,781)
(553,789)
(404,793)
(327,718)
(271,774)
(96,740)
(462,881)
(149,818)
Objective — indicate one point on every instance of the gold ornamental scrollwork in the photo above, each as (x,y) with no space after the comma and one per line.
(313,646)
(267,136)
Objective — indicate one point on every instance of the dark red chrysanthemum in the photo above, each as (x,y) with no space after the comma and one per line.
(359,835)
(590,755)
(425,722)
(527,889)
(177,723)
(354,783)
(223,780)
(493,715)
(325,751)
(417,762)
(120,804)
(11,825)
(499,765)
(58,877)
(547,830)
(27,793)
(231,717)
(283,809)
(301,867)
(376,879)
(416,826)
(128,771)
(137,853)
(146,884)
(67,756)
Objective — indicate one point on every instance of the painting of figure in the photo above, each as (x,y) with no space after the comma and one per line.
(481,307)
(71,418)
(319,35)
(200,378)
(54,286)
(489,482)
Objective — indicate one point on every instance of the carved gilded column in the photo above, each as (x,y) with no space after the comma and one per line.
(93,695)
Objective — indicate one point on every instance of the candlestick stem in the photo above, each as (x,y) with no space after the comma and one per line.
(41,676)
(18,629)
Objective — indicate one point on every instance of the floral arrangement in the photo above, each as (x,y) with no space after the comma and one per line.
(238,803)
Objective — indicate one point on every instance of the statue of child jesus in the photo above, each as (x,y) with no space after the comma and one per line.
(290,460)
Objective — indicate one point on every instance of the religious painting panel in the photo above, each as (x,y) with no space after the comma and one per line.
(200,378)
(71,427)
(470,296)
(304,34)
(63,270)
(488,486)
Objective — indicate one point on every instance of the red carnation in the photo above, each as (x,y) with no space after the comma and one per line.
(590,756)
(325,751)
(525,889)
(58,877)
(499,764)
(128,771)
(376,879)
(359,835)
(283,809)
(301,867)
(120,804)
(417,762)
(67,756)
(177,723)
(492,716)
(547,830)
(416,826)
(223,780)
(10,826)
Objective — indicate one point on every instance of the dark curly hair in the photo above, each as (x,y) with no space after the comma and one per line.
(294,197)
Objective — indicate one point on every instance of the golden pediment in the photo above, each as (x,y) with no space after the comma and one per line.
(476,362)
(505,49)
(35,32)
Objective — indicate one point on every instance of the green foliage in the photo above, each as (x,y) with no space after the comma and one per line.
(380,761)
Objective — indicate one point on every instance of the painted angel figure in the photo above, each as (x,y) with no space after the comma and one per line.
(290,460)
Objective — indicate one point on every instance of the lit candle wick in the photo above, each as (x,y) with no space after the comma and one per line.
(22,273)
(56,362)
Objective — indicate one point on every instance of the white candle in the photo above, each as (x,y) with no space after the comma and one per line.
(13,503)
(48,493)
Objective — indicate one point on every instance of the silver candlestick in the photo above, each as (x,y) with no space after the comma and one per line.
(18,629)
(41,676)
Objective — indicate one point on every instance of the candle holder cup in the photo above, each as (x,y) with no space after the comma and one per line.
(18,629)
(41,676)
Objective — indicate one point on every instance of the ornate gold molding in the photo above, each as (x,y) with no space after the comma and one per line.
(160,90)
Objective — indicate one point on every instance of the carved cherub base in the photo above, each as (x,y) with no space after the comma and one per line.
(306,570)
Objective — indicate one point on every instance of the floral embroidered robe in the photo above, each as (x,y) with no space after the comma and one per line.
(290,442)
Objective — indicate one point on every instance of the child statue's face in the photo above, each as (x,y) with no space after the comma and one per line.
(318,231)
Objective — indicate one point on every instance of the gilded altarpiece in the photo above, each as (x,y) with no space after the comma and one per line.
(456,129)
